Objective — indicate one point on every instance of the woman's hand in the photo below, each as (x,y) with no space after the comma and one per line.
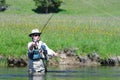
(55,54)
(33,44)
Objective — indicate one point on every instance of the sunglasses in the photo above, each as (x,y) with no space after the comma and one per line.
(36,35)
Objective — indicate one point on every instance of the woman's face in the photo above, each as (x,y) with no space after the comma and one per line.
(35,37)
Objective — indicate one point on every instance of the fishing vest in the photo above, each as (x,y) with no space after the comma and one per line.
(38,53)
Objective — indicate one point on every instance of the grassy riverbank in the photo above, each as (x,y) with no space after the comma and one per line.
(89,25)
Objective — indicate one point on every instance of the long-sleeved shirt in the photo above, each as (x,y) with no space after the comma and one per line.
(39,44)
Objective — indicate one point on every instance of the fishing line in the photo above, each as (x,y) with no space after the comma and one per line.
(46,23)
(93,5)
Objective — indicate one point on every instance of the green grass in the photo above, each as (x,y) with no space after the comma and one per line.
(90,25)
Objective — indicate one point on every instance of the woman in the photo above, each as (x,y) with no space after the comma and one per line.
(38,52)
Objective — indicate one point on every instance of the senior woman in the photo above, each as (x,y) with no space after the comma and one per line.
(38,52)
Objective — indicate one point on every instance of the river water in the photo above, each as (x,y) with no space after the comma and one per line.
(81,73)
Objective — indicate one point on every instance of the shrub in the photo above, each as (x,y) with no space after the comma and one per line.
(2,5)
(47,6)
(2,2)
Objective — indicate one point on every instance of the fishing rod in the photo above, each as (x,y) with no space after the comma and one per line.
(46,23)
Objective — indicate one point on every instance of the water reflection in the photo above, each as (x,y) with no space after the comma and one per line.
(82,73)
(37,76)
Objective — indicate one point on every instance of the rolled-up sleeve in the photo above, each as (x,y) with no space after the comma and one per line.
(29,51)
(49,51)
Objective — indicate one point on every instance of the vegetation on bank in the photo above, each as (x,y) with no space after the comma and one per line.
(91,25)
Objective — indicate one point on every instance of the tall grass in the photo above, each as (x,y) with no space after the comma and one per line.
(83,25)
